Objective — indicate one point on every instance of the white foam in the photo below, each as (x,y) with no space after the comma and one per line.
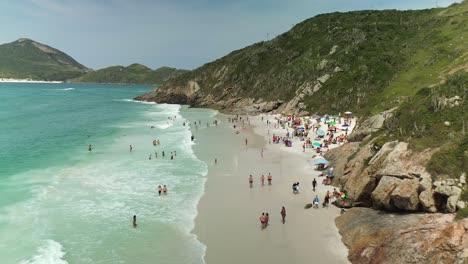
(133,101)
(49,253)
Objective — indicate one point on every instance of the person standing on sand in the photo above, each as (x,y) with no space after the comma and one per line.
(267,218)
(251,181)
(269,178)
(314,183)
(283,214)
(262,220)
(246,141)
(134,221)
(261,152)
(262,179)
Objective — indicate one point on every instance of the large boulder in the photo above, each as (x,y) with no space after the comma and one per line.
(377,237)
(426,198)
(339,159)
(452,204)
(369,126)
(405,195)
(404,164)
(381,195)
(358,180)
(425,184)
(448,191)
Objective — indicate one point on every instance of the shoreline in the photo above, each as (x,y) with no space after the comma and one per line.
(10,80)
(227,220)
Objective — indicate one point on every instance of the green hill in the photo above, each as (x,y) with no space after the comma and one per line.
(364,61)
(133,74)
(25,58)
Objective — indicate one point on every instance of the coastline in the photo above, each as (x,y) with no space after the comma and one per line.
(10,80)
(227,220)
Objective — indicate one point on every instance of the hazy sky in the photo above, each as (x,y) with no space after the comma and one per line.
(177,33)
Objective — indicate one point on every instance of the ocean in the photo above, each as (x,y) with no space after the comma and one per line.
(61,203)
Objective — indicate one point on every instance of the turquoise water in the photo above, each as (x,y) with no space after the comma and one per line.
(61,203)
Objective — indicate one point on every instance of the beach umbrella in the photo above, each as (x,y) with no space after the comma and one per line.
(348,113)
(320,132)
(316,144)
(320,161)
(332,123)
(345,125)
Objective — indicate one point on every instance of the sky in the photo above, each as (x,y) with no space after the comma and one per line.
(177,33)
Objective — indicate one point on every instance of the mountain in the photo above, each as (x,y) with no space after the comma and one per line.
(363,61)
(133,74)
(26,58)
(403,73)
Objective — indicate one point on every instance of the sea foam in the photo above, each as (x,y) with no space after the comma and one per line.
(51,252)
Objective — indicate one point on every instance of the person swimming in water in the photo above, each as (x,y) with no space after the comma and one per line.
(164,189)
(134,221)
(159,189)
(90,148)
(149,157)
(131,148)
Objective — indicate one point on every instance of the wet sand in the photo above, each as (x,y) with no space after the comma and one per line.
(228,219)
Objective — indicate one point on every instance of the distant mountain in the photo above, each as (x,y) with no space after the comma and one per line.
(26,58)
(133,74)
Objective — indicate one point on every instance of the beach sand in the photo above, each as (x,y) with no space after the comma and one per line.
(228,219)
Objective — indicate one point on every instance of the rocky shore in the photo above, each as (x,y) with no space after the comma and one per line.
(374,236)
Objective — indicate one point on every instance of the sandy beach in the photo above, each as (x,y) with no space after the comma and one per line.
(228,219)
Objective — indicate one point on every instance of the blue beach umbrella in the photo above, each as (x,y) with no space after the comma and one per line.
(345,125)
(320,161)
(320,132)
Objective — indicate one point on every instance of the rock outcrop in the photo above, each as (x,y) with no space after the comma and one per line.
(376,237)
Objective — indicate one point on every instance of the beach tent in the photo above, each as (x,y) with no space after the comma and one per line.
(320,132)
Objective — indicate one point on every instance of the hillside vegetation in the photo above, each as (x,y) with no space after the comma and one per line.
(26,58)
(364,61)
(133,74)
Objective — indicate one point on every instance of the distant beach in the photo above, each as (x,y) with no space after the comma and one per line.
(8,80)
